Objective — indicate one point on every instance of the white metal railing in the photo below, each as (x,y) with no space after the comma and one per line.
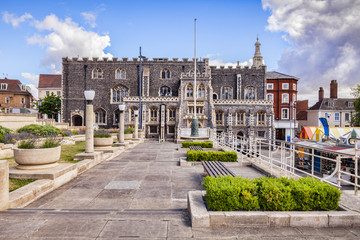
(296,160)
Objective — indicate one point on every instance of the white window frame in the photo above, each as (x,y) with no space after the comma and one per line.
(288,113)
(282,98)
(294,97)
(7,99)
(285,86)
(294,86)
(268,86)
(4,86)
(23,101)
(337,117)
(347,115)
(58,93)
(268,95)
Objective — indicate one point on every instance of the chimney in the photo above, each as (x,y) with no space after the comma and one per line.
(321,94)
(333,89)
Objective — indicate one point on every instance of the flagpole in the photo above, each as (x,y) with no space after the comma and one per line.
(194,122)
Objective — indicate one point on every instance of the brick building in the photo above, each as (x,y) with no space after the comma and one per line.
(282,89)
(228,99)
(14,96)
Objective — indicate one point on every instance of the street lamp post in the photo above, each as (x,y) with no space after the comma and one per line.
(194,122)
(136,129)
(121,123)
(39,105)
(89,132)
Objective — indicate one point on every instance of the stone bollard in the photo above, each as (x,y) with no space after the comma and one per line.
(4,185)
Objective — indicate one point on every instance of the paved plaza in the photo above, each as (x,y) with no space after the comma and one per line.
(142,193)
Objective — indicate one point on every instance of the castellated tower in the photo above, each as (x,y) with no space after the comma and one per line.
(257,59)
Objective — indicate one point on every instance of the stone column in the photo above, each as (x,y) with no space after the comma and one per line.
(89,133)
(136,130)
(121,127)
(4,185)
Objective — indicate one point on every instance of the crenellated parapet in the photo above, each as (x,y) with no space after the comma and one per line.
(151,99)
(242,102)
(133,60)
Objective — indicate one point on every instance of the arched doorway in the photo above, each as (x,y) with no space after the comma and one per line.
(240,134)
(77,120)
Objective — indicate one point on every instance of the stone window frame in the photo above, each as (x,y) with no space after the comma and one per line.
(261,118)
(172,114)
(126,93)
(103,116)
(122,74)
(261,131)
(154,114)
(157,129)
(337,116)
(23,100)
(268,86)
(169,94)
(217,96)
(97,73)
(347,117)
(191,72)
(285,86)
(238,134)
(219,117)
(165,73)
(190,110)
(189,90)
(203,90)
(168,129)
(272,97)
(287,117)
(253,93)
(284,99)
(239,121)
(199,110)
(7,99)
(131,113)
(58,93)
(230,92)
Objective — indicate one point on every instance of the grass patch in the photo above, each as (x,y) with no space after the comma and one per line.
(68,152)
(11,160)
(18,183)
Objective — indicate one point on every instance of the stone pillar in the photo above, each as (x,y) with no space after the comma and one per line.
(4,185)
(89,133)
(136,130)
(121,127)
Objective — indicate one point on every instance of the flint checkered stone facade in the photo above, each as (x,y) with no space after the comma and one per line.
(77,76)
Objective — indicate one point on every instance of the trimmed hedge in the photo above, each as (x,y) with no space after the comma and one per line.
(282,194)
(201,144)
(39,130)
(197,156)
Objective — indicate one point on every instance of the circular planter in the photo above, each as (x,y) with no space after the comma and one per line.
(103,142)
(128,136)
(37,158)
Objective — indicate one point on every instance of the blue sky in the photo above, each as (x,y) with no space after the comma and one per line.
(36,34)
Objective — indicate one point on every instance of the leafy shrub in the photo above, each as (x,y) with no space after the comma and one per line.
(274,195)
(3,131)
(201,144)
(195,156)
(27,144)
(227,193)
(29,141)
(65,133)
(102,134)
(39,130)
(51,142)
(282,194)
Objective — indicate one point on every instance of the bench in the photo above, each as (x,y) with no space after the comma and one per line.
(216,169)
(196,148)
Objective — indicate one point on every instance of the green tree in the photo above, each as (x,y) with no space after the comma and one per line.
(50,105)
(355,120)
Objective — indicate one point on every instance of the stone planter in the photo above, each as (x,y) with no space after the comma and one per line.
(128,136)
(37,158)
(103,142)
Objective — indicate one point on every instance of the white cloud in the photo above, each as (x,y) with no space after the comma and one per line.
(33,82)
(325,43)
(15,21)
(90,18)
(219,62)
(64,38)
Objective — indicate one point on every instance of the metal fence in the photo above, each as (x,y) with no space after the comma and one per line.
(296,160)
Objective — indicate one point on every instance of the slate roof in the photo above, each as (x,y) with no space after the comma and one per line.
(333,104)
(50,81)
(277,75)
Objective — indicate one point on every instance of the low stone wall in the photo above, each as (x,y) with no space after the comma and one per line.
(6,150)
(202,218)
(15,121)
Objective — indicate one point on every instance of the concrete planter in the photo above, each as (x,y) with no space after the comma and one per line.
(128,136)
(103,142)
(37,158)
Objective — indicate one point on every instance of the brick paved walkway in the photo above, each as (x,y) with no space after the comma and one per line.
(140,194)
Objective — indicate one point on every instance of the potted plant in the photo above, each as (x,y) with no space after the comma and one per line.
(33,153)
(102,138)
